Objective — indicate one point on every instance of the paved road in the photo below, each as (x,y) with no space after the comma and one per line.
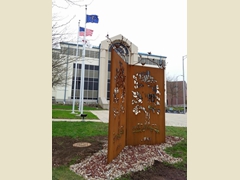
(171,119)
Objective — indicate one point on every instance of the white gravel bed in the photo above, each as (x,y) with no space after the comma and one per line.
(131,159)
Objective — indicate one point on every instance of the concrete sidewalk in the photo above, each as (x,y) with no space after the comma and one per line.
(179,120)
(170,118)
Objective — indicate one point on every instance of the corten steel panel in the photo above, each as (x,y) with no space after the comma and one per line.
(117,106)
(145,106)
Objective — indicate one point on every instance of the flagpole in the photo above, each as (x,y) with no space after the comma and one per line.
(83,65)
(75,76)
(81,85)
(80,92)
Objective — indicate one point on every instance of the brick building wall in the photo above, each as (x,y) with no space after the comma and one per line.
(175,93)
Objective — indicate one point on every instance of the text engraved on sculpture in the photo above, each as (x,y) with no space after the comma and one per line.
(140,127)
(119,134)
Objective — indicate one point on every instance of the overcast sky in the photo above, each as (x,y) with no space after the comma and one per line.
(159,26)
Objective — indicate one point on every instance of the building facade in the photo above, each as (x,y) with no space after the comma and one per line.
(97,69)
(175,93)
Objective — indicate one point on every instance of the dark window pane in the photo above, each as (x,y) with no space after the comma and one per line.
(96,67)
(95,85)
(86,66)
(85,85)
(90,84)
(91,67)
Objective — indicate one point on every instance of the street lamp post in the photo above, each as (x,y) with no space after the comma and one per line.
(183,85)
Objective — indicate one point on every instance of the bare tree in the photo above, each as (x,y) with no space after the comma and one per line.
(60,32)
(60,64)
(60,60)
(60,69)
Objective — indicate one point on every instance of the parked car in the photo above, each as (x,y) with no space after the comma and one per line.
(53,99)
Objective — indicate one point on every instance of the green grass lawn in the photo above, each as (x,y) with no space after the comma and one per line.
(69,107)
(79,129)
(86,129)
(179,149)
(63,114)
(63,173)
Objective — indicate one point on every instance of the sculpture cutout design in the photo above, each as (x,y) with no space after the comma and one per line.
(120,84)
(136,114)
(141,80)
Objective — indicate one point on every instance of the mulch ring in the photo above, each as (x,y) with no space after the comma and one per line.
(64,153)
(159,171)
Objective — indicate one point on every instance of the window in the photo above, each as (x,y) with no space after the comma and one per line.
(90,81)
(64,50)
(91,54)
(95,85)
(87,53)
(96,54)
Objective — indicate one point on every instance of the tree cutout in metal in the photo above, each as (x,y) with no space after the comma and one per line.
(145,79)
(146,113)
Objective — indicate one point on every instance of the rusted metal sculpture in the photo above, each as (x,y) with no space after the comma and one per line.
(118,104)
(137,110)
(146,110)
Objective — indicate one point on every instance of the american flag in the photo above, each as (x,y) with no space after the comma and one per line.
(89,32)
